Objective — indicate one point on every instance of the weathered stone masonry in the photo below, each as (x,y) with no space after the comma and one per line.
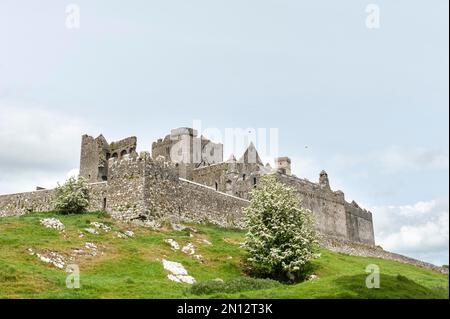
(42,200)
(332,214)
(141,187)
(131,186)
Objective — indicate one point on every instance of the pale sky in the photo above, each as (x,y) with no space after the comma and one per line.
(370,106)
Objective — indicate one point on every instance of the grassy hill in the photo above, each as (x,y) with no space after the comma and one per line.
(132,268)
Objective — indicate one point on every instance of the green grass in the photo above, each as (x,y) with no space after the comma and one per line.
(132,268)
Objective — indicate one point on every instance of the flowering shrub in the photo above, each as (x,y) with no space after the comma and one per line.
(280,239)
(72,197)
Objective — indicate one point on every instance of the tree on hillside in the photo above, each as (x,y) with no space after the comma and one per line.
(280,236)
(72,197)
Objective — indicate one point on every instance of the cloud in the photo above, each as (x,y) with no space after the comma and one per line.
(419,230)
(395,159)
(37,146)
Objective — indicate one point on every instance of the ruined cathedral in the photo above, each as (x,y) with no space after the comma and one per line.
(185,178)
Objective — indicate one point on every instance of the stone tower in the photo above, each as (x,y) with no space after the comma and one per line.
(183,147)
(95,153)
(283,165)
(324,183)
(94,158)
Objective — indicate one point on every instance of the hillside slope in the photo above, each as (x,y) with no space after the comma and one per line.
(114,265)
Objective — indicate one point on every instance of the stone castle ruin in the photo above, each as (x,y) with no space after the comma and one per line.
(186,179)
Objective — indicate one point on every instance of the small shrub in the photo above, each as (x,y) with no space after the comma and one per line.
(72,197)
(232,286)
(281,238)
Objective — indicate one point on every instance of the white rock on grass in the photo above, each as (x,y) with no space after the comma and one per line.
(125,234)
(92,231)
(188,249)
(174,267)
(121,235)
(173,244)
(152,224)
(51,257)
(92,247)
(52,223)
(77,251)
(177,272)
(101,226)
(313,277)
(177,227)
(129,233)
(206,242)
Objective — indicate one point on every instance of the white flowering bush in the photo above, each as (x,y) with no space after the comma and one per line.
(72,197)
(281,238)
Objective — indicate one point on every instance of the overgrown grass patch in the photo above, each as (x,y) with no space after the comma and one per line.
(232,286)
(132,267)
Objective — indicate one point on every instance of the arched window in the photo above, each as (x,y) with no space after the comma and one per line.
(243,177)
(108,156)
(254,181)
(115,155)
(124,152)
(216,185)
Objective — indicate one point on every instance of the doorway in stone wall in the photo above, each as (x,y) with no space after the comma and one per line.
(229,187)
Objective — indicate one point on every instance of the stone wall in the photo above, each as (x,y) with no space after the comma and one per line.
(125,189)
(327,206)
(359,224)
(231,177)
(333,216)
(142,188)
(98,194)
(202,203)
(170,197)
(23,203)
(43,201)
